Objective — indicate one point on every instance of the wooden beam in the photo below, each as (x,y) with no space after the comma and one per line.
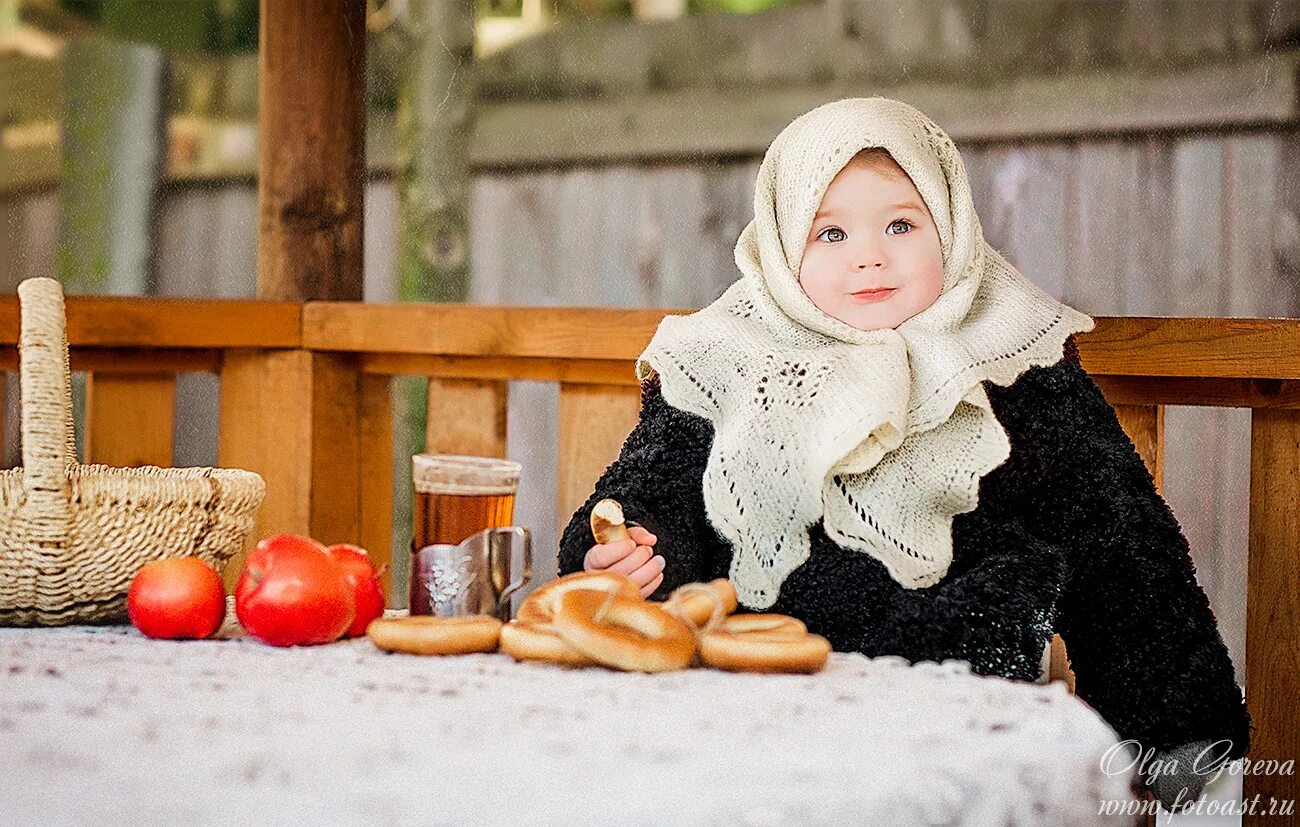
(504,368)
(1237,348)
(122,361)
(1201,391)
(311,160)
(1258,91)
(712,122)
(1150,346)
(132,322)
(472,330)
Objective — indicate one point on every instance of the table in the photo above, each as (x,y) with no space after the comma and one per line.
(99,725)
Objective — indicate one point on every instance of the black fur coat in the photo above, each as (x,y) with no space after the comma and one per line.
(1070,536)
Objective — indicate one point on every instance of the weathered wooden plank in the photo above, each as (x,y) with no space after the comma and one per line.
(1196,285)
(1148,276)
(1032,215)
(597,227)
(1253,220)
(207,240)
(593,423)
(709,122)
(1105,186)
(467,416)
(549,257)
(1273,599)
(130,419)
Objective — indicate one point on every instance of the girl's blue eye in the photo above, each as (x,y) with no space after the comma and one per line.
(833,230)
(906,224)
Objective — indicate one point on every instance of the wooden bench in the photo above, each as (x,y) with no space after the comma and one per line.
(305,401)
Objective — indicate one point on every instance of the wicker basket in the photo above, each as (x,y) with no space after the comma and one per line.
(73,536)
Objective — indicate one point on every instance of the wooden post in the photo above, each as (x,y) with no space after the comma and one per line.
(295,416)
(1273,608)
(311,164)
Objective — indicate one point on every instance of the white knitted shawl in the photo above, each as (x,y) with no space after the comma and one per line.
(884,434)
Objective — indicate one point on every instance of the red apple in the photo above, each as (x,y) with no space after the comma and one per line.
(364,580)
(293,593)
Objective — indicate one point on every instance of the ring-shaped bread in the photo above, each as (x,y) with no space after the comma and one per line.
(540,605)
(633,635)
(696,603)
(763,651)
(765,623)
(434,635)
(522,641)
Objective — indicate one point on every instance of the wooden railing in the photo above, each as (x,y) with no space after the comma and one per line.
(305,401)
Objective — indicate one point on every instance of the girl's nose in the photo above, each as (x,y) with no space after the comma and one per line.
(871,257)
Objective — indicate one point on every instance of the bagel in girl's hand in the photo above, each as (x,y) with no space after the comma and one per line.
(607,525)
(522,641)
(763,651)
(540,606)
(624,633)
(431,635)
(696,603)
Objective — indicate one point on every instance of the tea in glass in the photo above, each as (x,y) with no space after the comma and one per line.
(457,495)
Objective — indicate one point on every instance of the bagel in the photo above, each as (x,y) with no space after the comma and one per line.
(528,641)
(432,635)
(607,524)
(696,602)
(539,607)
(633,635)
(763,651)
(758,624)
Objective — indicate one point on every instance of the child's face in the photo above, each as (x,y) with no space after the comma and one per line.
(872,230)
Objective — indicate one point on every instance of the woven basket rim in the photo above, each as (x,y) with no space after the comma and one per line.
(148,472)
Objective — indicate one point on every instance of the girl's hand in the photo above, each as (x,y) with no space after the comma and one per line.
(634,557)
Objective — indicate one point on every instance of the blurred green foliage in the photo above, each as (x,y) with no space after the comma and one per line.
(211,26)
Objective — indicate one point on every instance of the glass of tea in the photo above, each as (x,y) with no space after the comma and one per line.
(457,495)
(463,546)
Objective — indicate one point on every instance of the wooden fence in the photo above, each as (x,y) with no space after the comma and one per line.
(305,401)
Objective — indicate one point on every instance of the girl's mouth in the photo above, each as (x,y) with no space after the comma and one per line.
(874,295)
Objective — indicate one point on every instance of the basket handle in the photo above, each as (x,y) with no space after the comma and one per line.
(49,446)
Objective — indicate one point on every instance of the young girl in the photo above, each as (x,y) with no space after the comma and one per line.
(883,429)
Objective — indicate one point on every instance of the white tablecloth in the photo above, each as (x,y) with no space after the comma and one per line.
(104,726)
